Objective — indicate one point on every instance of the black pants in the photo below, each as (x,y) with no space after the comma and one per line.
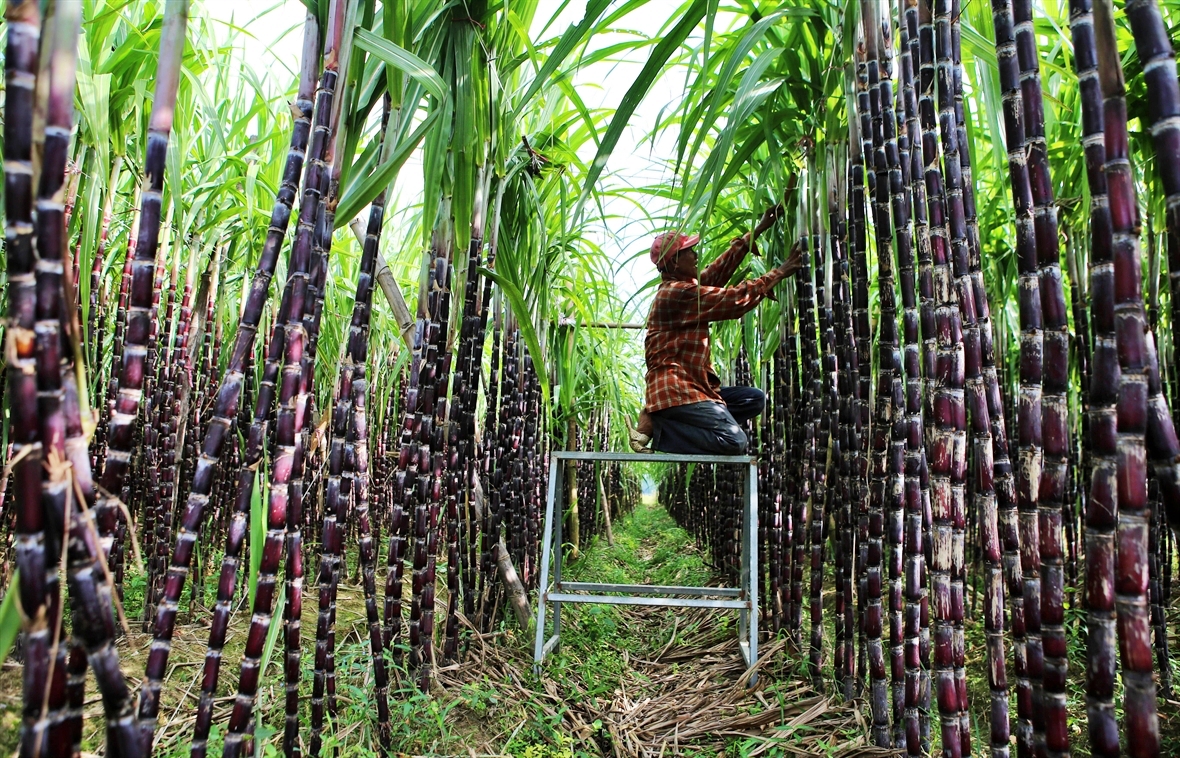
(708,428)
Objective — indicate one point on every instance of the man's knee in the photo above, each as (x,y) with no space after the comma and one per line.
(744,402)
(731,440)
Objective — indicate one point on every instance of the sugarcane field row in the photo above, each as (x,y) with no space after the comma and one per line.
(291,353)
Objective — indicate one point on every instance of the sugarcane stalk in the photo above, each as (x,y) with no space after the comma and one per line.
(236,532)
(171,53)
(823,390)
(54,355)
(31,554)
(344,461)
(1154,48)
(856,518)
(948,441)
(137,365)
(916,491)
(291,412)
(811,370)
(1101,502)
(1025,613)
(795,538)
(842,454)
(884,492)
(918,324)
(461,432)
(1133,344)
(358,355)
(979,355)
(1049,714)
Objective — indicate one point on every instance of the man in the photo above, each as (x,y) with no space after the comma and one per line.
(687,410)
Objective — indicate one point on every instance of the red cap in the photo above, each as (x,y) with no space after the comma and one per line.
(668,244)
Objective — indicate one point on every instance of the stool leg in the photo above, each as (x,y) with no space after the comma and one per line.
(745,614)
(546,548)
(751,551)
(559,528)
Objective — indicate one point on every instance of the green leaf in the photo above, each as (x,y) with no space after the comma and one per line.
(573,35)
(404,60)
(361,191)
(272,634)
(635,94)
(257,533)
(528,330)
(9,616)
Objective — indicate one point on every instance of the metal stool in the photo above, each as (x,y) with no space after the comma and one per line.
(743,598)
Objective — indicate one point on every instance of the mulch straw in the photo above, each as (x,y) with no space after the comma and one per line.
(691,698)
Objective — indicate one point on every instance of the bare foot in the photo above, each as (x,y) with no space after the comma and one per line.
(645,424)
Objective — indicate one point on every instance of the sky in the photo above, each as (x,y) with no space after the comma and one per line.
(272,42)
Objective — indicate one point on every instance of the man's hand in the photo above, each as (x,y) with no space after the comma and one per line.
(794,261)
(772,214)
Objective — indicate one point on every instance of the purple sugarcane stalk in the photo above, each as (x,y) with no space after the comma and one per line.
(337,492)
(358,355)
(172,41)
(54,355)
(906,449)
(171,396)
(237,531)
(972,300)
(30,545)
(883,485)
(858,356)
(1134,347)
(1101,502)
(141,311)
(290,420)
(1159,65)
(334,535)
(948,442)
(1026,612)
(950,407)
(810,373)
(922,50)
(1049,718)
(825,392)
(848,447)
(917,495)
(864,335)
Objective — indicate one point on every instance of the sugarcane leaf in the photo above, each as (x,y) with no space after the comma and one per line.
(663,50)
(733,59)
(261,731)
(9,616)
(361,191)
(572,37)
(524,318)
(257,533)
(272,634)
(403,60)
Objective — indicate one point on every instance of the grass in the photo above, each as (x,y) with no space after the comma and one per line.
(596,643)
(495,705)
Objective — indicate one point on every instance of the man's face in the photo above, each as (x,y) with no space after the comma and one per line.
(685,266)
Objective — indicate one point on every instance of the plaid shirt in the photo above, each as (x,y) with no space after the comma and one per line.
(679,364)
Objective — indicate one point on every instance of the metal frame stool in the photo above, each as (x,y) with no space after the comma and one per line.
(743,598)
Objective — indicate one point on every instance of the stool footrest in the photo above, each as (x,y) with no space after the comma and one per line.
(671,602)
(649,589)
